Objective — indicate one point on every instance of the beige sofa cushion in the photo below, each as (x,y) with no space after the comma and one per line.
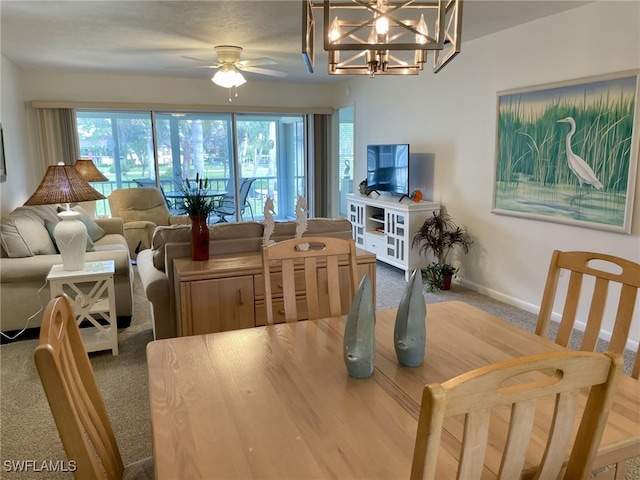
(223,238)
(23,233)
(164,235)
(243,236)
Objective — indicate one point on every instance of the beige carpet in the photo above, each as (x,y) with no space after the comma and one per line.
(27,430)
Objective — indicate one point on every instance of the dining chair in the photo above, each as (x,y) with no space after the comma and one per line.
(75,400)
(227,205)
(603,270)
(320,281)
(518,385)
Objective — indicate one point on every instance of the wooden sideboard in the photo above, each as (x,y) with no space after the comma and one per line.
(226,292)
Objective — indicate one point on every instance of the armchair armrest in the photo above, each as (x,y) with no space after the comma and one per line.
(112,225)
(138,235)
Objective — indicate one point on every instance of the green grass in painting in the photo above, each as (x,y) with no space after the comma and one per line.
(534,148)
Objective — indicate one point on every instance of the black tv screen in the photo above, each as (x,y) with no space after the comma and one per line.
(388,168)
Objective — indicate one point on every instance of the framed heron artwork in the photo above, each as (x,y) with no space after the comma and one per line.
(568,152)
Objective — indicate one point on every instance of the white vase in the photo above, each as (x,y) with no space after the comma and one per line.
(70,235)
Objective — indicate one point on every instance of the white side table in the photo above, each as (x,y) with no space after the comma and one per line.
(92,292)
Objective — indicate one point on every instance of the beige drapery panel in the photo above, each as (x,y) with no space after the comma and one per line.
(321,149)
(57,136)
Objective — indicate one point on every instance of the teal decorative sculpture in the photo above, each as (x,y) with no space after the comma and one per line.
(410,332)
(359,333)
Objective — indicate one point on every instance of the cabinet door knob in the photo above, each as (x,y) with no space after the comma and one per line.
(240,297)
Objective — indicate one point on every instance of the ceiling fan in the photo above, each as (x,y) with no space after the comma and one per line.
(229,65)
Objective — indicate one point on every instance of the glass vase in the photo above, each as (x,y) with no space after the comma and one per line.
(199,238)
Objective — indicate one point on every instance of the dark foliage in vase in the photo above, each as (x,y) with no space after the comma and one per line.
(196,201)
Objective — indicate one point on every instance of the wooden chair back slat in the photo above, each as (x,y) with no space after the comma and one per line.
(323,253)
(474,446)
(73,395)
(583,265)
(289,290)
(521,383)
(522,420)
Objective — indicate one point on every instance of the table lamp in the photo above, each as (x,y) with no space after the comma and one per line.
(90,173)
(64,184)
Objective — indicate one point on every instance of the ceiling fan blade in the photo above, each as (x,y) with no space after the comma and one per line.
(197,59)
(262,71)
(254,62)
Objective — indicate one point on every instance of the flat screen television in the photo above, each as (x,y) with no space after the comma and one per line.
(388,168)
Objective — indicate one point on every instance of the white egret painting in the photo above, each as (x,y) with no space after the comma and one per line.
(569,152)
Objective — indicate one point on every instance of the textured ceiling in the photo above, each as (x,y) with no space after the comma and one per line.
(145,37)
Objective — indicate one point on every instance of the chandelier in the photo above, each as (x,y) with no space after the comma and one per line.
(383,37)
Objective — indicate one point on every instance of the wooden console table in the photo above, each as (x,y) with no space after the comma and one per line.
(227,291)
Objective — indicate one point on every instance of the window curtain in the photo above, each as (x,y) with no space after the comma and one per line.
(321,149)
(57,136)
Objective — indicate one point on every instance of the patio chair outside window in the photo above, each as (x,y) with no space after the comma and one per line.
(227,206)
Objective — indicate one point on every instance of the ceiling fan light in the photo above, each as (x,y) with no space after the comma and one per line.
(228,78)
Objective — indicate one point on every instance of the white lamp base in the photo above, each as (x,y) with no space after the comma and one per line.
(70,235)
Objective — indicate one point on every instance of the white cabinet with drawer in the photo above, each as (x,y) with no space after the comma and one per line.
(387,226)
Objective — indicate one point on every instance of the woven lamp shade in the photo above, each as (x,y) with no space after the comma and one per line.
(63,184)
(89,171)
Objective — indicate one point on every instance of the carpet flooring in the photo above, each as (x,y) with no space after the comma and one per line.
(27,430)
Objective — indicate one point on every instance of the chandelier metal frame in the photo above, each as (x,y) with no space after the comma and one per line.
(360,46)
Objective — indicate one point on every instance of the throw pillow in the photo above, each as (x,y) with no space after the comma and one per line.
(50,226)
(25,236)
(95,231)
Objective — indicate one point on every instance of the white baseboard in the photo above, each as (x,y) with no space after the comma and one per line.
(529,307)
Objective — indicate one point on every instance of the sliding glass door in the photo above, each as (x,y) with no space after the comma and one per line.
(190,145)
(162,149)
(271,150)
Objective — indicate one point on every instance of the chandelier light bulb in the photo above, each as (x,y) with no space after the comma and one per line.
(382,22)
(382,25)
(423,31)
(334,32)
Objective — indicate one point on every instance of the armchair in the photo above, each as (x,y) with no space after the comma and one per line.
(142,210)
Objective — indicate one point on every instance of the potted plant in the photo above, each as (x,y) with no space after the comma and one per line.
(198,204)
(439,235)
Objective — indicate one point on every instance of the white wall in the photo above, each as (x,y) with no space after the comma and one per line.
(78,87)
(20,173)
(453,115)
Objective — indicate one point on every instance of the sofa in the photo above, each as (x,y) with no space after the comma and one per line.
(155,264)
(28,252)
(141,210)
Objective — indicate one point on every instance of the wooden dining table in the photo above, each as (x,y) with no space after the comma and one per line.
(277,402)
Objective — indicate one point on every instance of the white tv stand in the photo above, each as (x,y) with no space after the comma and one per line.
(386,226)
